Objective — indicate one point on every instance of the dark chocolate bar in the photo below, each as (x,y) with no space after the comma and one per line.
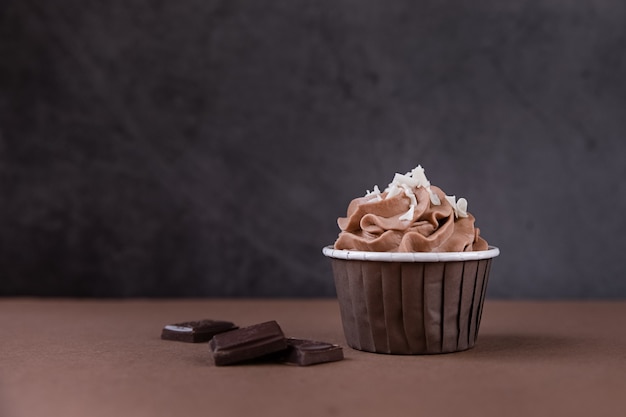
(247,343)
(309,352)
(196,331)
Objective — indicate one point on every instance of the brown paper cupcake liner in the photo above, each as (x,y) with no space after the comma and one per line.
(411,307)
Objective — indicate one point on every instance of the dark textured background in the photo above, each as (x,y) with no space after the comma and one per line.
(206,148)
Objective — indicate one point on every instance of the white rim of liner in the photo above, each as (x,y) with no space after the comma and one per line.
(355,255)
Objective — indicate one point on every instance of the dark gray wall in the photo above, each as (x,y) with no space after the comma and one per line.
(206,148)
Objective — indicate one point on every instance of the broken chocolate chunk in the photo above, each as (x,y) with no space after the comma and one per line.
(309,352)
(247,343)
(196,331)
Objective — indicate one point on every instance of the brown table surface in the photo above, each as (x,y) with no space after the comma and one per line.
(105,358)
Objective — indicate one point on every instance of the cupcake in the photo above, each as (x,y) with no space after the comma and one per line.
(410,269)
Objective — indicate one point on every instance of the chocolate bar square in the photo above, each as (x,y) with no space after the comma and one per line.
(310,352)
(247,343)
(196,331)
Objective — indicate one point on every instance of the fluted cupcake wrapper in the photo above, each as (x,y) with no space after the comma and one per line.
(411,307)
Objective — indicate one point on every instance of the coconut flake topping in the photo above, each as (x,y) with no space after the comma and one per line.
(460,206)
(405,184)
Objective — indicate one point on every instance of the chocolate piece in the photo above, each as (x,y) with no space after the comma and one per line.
(247,343)
(196,331)
(309,352)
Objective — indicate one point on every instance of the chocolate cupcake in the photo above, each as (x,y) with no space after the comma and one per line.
(410,270)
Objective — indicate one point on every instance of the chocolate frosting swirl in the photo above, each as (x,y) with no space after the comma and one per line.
(374,223)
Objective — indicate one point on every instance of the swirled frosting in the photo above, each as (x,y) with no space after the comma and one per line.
(410,215)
